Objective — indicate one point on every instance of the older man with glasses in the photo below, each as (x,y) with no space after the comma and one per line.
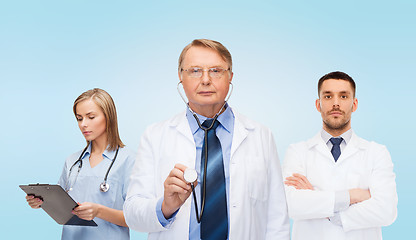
(238,191)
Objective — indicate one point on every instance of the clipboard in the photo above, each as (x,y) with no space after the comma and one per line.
(56,203)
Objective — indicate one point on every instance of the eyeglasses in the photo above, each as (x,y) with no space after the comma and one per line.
(195,72)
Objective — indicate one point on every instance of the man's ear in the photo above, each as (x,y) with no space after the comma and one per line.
(354,104)
(318,104)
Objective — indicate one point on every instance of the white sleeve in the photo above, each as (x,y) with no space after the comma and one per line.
(381,208)
(305,204)
(140,206)
(278,226)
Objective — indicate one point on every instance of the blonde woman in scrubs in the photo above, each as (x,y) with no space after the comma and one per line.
(96,115)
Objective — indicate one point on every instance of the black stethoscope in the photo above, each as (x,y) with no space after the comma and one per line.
(190,175)
(104,186)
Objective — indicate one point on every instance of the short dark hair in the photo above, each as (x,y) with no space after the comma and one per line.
(337,75)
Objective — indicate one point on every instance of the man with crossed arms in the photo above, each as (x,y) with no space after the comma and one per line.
(338,185)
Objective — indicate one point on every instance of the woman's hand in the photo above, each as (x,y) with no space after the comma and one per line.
(87,210)
(33,201)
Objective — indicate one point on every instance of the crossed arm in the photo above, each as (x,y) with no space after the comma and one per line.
(301,182)
(365,210)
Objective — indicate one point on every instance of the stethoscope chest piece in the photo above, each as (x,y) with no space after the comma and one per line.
(190,175)
(104,186)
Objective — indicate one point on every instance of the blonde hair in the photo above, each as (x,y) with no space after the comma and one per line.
(214,45)
(106,103)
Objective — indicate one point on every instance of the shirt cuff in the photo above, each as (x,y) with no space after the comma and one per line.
(162,220)
(342,201)
(336,219)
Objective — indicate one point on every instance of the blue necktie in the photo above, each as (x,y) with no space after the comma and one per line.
(214,221)
(336,150)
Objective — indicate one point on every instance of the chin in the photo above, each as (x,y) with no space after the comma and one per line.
(89,139)
(206,103)
(337,125)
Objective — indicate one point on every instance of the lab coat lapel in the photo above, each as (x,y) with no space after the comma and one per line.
(320,146)
(352,147)
(180,122)
(188,150)
(240,133)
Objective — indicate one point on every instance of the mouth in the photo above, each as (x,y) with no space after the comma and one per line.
(87,132)
(206,93)
(335,113)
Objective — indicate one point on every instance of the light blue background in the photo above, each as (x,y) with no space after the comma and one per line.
(52,51)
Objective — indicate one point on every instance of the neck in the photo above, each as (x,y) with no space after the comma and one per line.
(207,111)
(336,132)
(99,145)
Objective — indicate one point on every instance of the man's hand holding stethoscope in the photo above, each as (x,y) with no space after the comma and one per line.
(177,189)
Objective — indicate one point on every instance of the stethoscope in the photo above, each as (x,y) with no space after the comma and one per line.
(190,175)
(104,186)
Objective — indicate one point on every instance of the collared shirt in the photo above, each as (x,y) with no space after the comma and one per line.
(224,132)
(346,136)
(85,187)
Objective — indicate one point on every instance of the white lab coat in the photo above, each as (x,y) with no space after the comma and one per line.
(362,164)
(257,200)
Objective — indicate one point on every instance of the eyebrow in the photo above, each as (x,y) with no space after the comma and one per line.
(86,114)
(215,66)
(342,92)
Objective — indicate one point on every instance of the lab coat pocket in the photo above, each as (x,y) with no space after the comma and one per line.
(257,179)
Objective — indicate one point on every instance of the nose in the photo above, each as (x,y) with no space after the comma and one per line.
(336,102)
(205,79)
(83,123)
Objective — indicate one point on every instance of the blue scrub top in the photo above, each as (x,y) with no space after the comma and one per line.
(86,188)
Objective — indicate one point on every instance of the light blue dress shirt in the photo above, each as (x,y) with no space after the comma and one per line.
(86,188)
(224,133)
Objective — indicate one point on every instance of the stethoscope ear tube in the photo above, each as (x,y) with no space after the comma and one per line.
(198,216)
(190,177)
(187,105)
(69,188)
(204,187)
(104,186)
